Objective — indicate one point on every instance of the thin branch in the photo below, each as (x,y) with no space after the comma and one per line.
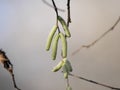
(56,10)
(94,82)
(68,21)
(14,82)
(44,1)
(98,39)
(68,13)
(8,66)
(55,7)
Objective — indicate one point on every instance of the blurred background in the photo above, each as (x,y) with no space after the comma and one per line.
(24,26)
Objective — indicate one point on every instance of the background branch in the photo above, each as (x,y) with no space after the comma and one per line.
(94,82)
(98,39)
(48,4)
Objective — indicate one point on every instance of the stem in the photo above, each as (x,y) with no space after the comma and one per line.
(55,8)
(68,84)
(15,86)
(13,77)
(68,21)
(68,12)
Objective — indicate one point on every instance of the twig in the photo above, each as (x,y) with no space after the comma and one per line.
(68,21)
(94,82)
(55,7)
(13,77)
(10,70)
(98,39)
(68,13)
(56,10)
(52,6)
(14,82)
(8,66)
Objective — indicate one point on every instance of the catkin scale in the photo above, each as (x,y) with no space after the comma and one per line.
(55,46)
(58,66)
(68,88)
(68,65)
(64,45)
(66,68)
(50,37)
(65,71)
(65,75)
(65,27)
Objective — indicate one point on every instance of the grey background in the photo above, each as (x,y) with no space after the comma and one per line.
(24,26)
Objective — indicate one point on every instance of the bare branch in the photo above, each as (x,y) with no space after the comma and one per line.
(94,82)
(8,66)
(98,39)
(68,11)
(55,7)
(14,82)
